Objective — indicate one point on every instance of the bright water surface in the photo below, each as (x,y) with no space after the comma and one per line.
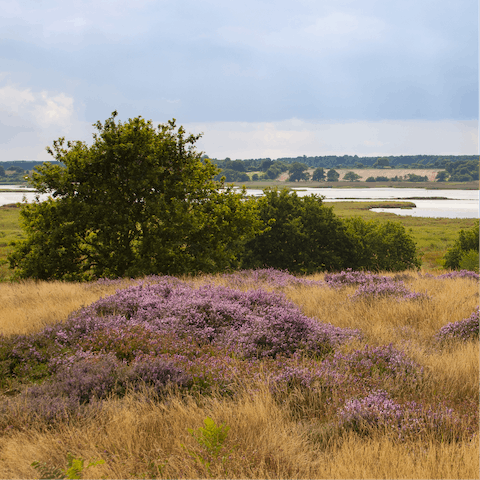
(459,203)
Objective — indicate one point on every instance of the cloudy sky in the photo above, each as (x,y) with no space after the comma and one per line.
(259,78)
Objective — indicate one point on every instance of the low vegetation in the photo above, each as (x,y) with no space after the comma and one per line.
(253,374)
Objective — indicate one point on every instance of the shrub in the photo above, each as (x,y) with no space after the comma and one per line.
(377,411)
(467,241)
(466,329)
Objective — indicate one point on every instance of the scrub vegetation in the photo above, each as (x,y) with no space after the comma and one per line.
(252,374)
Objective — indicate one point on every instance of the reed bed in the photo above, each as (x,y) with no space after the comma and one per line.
(351,375)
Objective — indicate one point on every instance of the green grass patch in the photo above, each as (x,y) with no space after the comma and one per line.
(10,231)
(433,236)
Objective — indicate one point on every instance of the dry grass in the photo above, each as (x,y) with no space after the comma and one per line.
(146,439)
(28,306)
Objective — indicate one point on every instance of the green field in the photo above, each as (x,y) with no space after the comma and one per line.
(433,236)
(9,232)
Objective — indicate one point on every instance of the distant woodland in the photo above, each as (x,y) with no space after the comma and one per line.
(457,168)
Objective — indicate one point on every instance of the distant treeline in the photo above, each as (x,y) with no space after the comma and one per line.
(345,161)
(23,165)
(459,168)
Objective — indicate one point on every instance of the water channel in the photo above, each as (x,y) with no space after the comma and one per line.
(429,203)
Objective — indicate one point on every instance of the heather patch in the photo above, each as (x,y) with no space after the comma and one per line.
(201,331)
(377,411)
(460,274)
(373,286)
(84,380)
(386,288)
(255,323)
(466,329)
(383,362)
(349,277)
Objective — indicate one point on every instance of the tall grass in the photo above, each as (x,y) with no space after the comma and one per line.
(278,429)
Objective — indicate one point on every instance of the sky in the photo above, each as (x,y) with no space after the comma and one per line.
(258,78)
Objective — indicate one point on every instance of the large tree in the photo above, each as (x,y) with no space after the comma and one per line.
(332,175)
(318,174)
(297,172)
(352,177)
(139,200)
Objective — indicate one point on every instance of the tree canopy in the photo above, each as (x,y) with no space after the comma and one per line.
(297,172)
(332,175)
(352,177)
(318,174)
(304,235)
(139,200)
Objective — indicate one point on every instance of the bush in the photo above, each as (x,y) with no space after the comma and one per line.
(381,246)
(467,241)
(303,236)
(469,261)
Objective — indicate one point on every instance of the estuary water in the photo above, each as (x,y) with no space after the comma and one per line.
(429,203)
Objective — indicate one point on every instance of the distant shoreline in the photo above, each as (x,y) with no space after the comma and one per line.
(474,185)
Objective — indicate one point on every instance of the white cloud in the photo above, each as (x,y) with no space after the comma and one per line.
(57,110)
(30,120)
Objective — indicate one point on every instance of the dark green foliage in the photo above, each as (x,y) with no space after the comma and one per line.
(232,176)
(2,171)
(466,243)
(464,171)
(304,236)
(381,246)
(352,177)
(382,163)
(318,174)
(139,201)
(416,178)
(297,172)
(442,176)
(332,175)
(266,164)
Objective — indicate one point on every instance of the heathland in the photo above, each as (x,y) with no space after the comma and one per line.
(254,374)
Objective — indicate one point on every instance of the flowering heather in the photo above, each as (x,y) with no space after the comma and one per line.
(267,277)
(252,323)
(386,287)
(383,362)
(200,332)
(378,411)
(460,274)
(87,378)
(466,329)
(310,375)
(350,277)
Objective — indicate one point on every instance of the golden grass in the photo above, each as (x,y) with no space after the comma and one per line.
(146,439)
(136,438)
(28,306)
